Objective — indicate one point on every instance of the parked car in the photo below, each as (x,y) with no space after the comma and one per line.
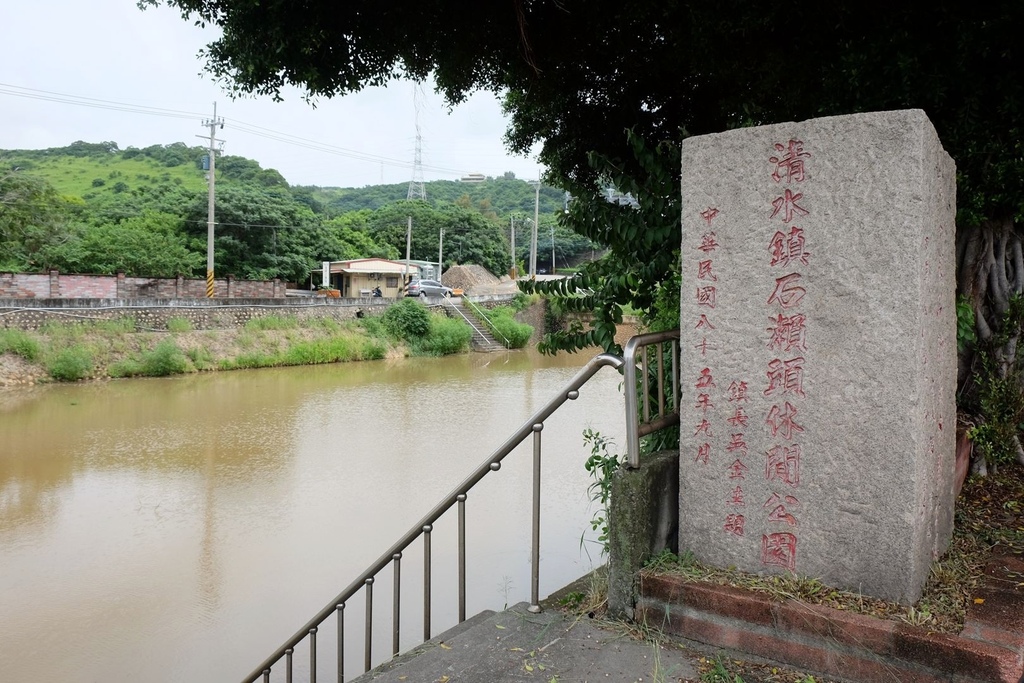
(427,288)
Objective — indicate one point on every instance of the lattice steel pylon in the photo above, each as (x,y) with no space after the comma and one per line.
(416,187)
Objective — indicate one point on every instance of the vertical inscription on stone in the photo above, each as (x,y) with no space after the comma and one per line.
(803,450)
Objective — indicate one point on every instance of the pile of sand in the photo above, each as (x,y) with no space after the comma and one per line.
(468,277)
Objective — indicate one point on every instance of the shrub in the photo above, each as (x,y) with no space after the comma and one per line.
(333,350)
(447,336)
(201,358)
(165,359)
(20,343)
(407,319)
(373,326)
(70,364)
(517,333)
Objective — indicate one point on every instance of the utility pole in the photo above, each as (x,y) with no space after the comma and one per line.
(552,248)
(440,253)
(512,229)
(211,196)
(408,250)
(533,241)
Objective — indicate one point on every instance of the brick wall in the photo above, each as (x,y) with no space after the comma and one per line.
(54,285)
(24,285)
(86,286)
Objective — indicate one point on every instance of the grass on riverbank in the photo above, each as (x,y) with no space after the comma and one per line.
(112,349)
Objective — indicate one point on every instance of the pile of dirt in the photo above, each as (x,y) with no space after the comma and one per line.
(468,277)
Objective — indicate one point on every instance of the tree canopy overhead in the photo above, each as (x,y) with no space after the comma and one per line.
(576,74)
(610,88)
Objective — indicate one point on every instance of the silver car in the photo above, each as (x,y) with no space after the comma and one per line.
(427,288)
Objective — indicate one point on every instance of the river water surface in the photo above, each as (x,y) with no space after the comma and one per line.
(181,529)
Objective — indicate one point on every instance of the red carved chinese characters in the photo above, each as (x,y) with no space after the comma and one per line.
(737,470)
(779,550)
(786,248)
(780,421)
(787,293)
(708,242)
(785,377)
(704,271)
(706,296)
(703,322)
(782,464)
(736,497)
(787,205)
(709,214)
(788,332)
(790,164)
(705,380)
(787,341)
(738,391)
(736,443)
(734,524)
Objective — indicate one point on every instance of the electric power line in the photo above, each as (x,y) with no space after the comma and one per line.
(241,126)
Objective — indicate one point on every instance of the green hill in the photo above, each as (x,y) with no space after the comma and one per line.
(95,208)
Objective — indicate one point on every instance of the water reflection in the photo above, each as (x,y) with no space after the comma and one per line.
(180,529)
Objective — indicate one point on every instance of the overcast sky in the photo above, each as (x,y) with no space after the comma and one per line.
(112,56)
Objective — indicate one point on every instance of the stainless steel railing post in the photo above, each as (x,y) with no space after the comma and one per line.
(340,609)
(312,655)
(535,548)
(426,581)
(396,615)
(462,556)
(368,633)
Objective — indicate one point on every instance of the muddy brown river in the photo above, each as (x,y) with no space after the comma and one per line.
(181,529)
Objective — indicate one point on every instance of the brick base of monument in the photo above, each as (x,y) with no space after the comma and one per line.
(844,645)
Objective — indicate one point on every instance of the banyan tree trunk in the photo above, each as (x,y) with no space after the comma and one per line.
(990,271)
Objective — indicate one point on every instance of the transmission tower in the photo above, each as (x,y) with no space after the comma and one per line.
(416,188)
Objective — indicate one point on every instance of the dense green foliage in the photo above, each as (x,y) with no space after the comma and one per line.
(407,320)
(503,321)
(445,336)
(679,69)
(93,208)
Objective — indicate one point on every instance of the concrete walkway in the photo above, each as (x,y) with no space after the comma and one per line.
(550,647)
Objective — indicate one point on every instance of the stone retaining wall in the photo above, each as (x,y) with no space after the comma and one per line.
(203,314)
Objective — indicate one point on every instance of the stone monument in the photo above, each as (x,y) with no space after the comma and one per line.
(819,360)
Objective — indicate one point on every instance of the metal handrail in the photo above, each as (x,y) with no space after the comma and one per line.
(636,355)
(449,302)
(424,528)
(487,321)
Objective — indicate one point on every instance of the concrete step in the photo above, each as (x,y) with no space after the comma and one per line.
(514,645)
(482,340)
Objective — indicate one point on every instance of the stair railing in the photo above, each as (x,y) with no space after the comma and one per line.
(479,312)
(449,302)
(635,357)
(423,528)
